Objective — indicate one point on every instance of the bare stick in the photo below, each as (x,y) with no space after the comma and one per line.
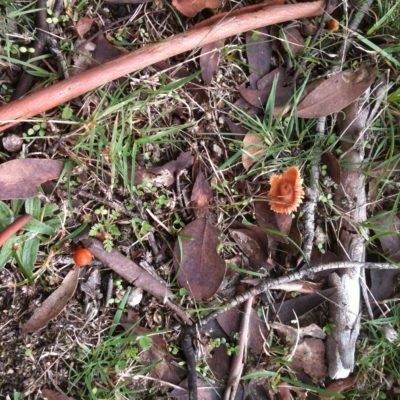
(14,228)
(190,356)
(238,360)
(266,285)
(52,96)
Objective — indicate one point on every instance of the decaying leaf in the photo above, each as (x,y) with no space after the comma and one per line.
(201,195)
(293,39)
(164,175)
(20,179)
(253,148)
(158,355)
(209,60)
(309,349)
(258,51)
(200,268)
(83,26)
(340,386)
(105,51)
(253,242)
(219,362)
(53,395)
(336,92)
(54,304)
(190,8)
(230,323)
(333,166)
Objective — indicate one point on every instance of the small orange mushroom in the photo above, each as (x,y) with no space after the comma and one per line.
(82,256)
(332,25)
(286,192)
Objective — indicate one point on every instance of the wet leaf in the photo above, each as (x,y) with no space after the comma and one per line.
(54,304)
(200,268)
(20,179)
(336,92)
(258,51)
(209,60)
(201,195)
(164,175)
(190,8)
(253,148)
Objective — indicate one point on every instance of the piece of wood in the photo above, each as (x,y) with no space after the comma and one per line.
(61,92)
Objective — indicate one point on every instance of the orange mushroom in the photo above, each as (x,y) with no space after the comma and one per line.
(82,257)
(286,192)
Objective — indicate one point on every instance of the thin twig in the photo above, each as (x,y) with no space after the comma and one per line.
(239,359)
(190,357)
(268,284)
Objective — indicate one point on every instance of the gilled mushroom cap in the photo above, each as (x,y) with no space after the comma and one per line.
(286,192)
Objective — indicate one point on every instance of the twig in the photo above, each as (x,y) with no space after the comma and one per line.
(190,357)
(238,360)
(14,228)
(54,95)
(266,285)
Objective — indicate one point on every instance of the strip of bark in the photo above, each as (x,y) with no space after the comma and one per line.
(14,228)
(52,96)
(135,275)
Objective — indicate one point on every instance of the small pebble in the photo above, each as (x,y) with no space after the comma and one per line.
(12,143)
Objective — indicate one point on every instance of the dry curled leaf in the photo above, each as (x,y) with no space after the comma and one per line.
(20,179)
(200,268)
(286,192)
(336,92)
(54,304)
(190,8)
(253,148)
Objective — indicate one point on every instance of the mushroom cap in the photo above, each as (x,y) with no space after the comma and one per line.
(82,257)
(286,191)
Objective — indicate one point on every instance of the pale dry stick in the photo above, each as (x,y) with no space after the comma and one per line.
(312,192)
(54,95)
(238,360)
(268,284)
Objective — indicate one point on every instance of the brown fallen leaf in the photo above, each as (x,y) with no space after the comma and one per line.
(164,175)
(258,51)
(54,395)
(20,179)
(284,391)
(340,386)
(158,355)
(201,196)
(209,60)
(336,92)
(200,269)
(253,148)
(83,26)
(205,391)
(219,362)
(190,8)
(54,304)
(333,166)
(293,40)
(230,323)
(105,51)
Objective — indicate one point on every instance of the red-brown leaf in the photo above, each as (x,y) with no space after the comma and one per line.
(201,195)
(293,39)
(336,93)
(200,268)
(190,8)
(253,148)
(83,26)
(20,179)
(209,60)
(54,304)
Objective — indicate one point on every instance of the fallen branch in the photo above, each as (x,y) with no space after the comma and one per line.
(266,285)
(52,96)
(14,228)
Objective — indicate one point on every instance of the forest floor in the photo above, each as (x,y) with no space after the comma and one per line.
(202,185)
